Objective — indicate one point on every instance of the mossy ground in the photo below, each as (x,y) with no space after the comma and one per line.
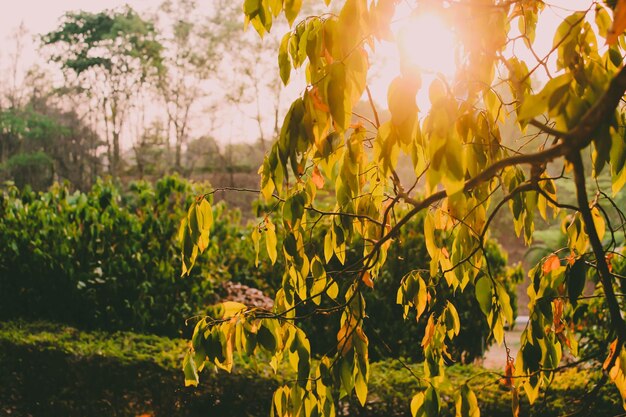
(54,370)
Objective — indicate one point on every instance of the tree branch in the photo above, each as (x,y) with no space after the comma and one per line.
(617,321)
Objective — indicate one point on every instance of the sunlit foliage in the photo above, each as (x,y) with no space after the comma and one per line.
(465,174)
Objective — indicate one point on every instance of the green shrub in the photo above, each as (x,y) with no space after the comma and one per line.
(102,259)
(32,168)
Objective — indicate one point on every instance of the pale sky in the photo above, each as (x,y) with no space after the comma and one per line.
(40,16)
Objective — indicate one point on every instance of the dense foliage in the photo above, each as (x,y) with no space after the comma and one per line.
(101,259)
(465,172)
(402,338)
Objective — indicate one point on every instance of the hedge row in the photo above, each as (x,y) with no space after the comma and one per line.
(109,258)
(55,370)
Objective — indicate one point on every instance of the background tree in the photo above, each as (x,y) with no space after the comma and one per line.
(42,141)
(194,50)
(152,152)
(460,161)
(109,56)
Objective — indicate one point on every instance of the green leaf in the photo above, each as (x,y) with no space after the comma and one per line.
(190,370)
(452,321)
(336,93)
(346,375)
(266,339)
(284,63)
(484,289)
(535,105)
(292,9)
(576,278)
(425,404)
(466,403)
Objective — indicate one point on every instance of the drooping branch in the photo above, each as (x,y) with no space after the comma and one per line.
(569,142)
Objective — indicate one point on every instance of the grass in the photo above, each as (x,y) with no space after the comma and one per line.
(56,370)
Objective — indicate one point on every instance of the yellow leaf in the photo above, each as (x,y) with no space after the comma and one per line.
(256,238)
(401,98)
(231,308)
(292,8)
(271,240)
(336,93)
(360,387)
(416,403)
(598,222)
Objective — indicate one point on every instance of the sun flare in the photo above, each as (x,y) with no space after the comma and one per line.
(426,42)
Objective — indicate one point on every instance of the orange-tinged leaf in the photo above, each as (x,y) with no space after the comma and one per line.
(429,332)
(317,178)
(361,335)
(559,326)
(553,262)
(317,101)
(445,253)
(367,279)
(327,56)
(344,339)
(619,22)
(509,369)
(612,348)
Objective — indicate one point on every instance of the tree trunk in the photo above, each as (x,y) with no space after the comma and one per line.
(115,160)
(177,157)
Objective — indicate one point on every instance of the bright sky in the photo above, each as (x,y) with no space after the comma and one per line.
(40,16)
(435,52)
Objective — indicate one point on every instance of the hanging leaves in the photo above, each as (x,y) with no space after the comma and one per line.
(495,135)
